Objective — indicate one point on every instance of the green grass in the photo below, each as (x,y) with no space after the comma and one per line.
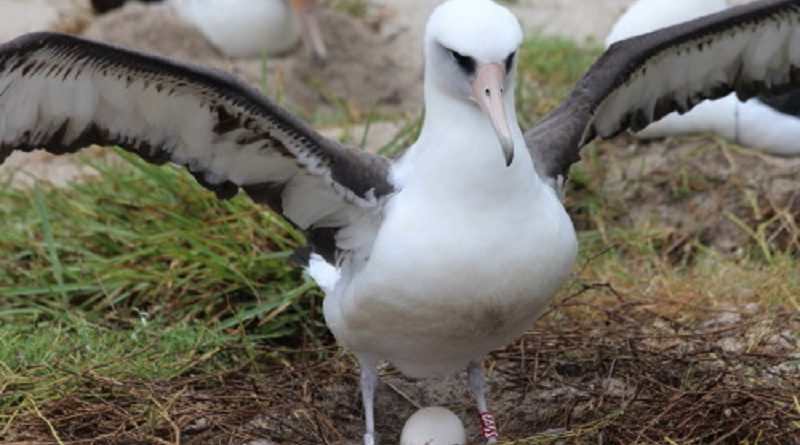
(140,274)
(548,67)
(141,238)
(43,359)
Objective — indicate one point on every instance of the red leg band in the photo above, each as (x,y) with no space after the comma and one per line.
(488,426)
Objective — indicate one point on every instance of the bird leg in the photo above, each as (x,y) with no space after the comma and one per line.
(369,379)
(477,385)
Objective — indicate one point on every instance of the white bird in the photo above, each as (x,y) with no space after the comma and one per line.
(433,425)
(250,28)
(432,260)
(771,124)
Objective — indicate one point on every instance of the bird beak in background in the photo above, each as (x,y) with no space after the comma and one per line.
(306,13)
(487,91)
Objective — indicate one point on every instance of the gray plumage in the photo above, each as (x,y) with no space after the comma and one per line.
(62,93)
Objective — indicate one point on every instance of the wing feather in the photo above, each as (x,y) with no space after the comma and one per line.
(752,49)
(62,93)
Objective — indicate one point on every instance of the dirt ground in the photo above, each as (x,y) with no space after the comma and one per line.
(694,192)
(602,367)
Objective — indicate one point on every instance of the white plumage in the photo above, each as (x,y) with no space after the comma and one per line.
(750,123)
(432,298)
(250,28)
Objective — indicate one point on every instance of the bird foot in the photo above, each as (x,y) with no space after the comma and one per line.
(488,427)
(369,439)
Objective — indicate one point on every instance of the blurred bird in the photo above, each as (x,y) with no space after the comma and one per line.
(769,123)
(249,28)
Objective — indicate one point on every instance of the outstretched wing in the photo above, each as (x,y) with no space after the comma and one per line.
(62,93)
(752,49)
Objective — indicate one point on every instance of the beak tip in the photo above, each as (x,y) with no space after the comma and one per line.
(508,152)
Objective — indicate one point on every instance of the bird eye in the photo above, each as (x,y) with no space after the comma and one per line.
(466,63)
(510,61)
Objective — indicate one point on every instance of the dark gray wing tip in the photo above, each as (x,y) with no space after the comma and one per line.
(235,89)
(347,165)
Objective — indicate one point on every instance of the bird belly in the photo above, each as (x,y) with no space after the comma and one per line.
(461,284)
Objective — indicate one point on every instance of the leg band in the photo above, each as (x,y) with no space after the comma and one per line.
(488,426)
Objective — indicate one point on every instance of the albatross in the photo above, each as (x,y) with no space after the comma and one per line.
(248,28)
(432,260)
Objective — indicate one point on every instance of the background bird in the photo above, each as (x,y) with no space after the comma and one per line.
(247,28)
(251,28)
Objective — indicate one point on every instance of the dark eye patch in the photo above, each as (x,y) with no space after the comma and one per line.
(510,61)
(466,63)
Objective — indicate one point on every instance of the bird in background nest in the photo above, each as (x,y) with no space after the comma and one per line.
(248,28)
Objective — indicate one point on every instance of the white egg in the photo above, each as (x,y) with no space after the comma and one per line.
(433,425)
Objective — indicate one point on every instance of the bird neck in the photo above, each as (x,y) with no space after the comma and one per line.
(458,149)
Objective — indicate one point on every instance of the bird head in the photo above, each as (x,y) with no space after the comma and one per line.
(471,51)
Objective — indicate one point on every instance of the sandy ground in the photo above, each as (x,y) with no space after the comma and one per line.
(21,16)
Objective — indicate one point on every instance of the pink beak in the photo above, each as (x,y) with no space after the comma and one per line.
(305,12)
(487,91)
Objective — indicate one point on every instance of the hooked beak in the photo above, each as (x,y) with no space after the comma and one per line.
(306,13)
(487,91)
